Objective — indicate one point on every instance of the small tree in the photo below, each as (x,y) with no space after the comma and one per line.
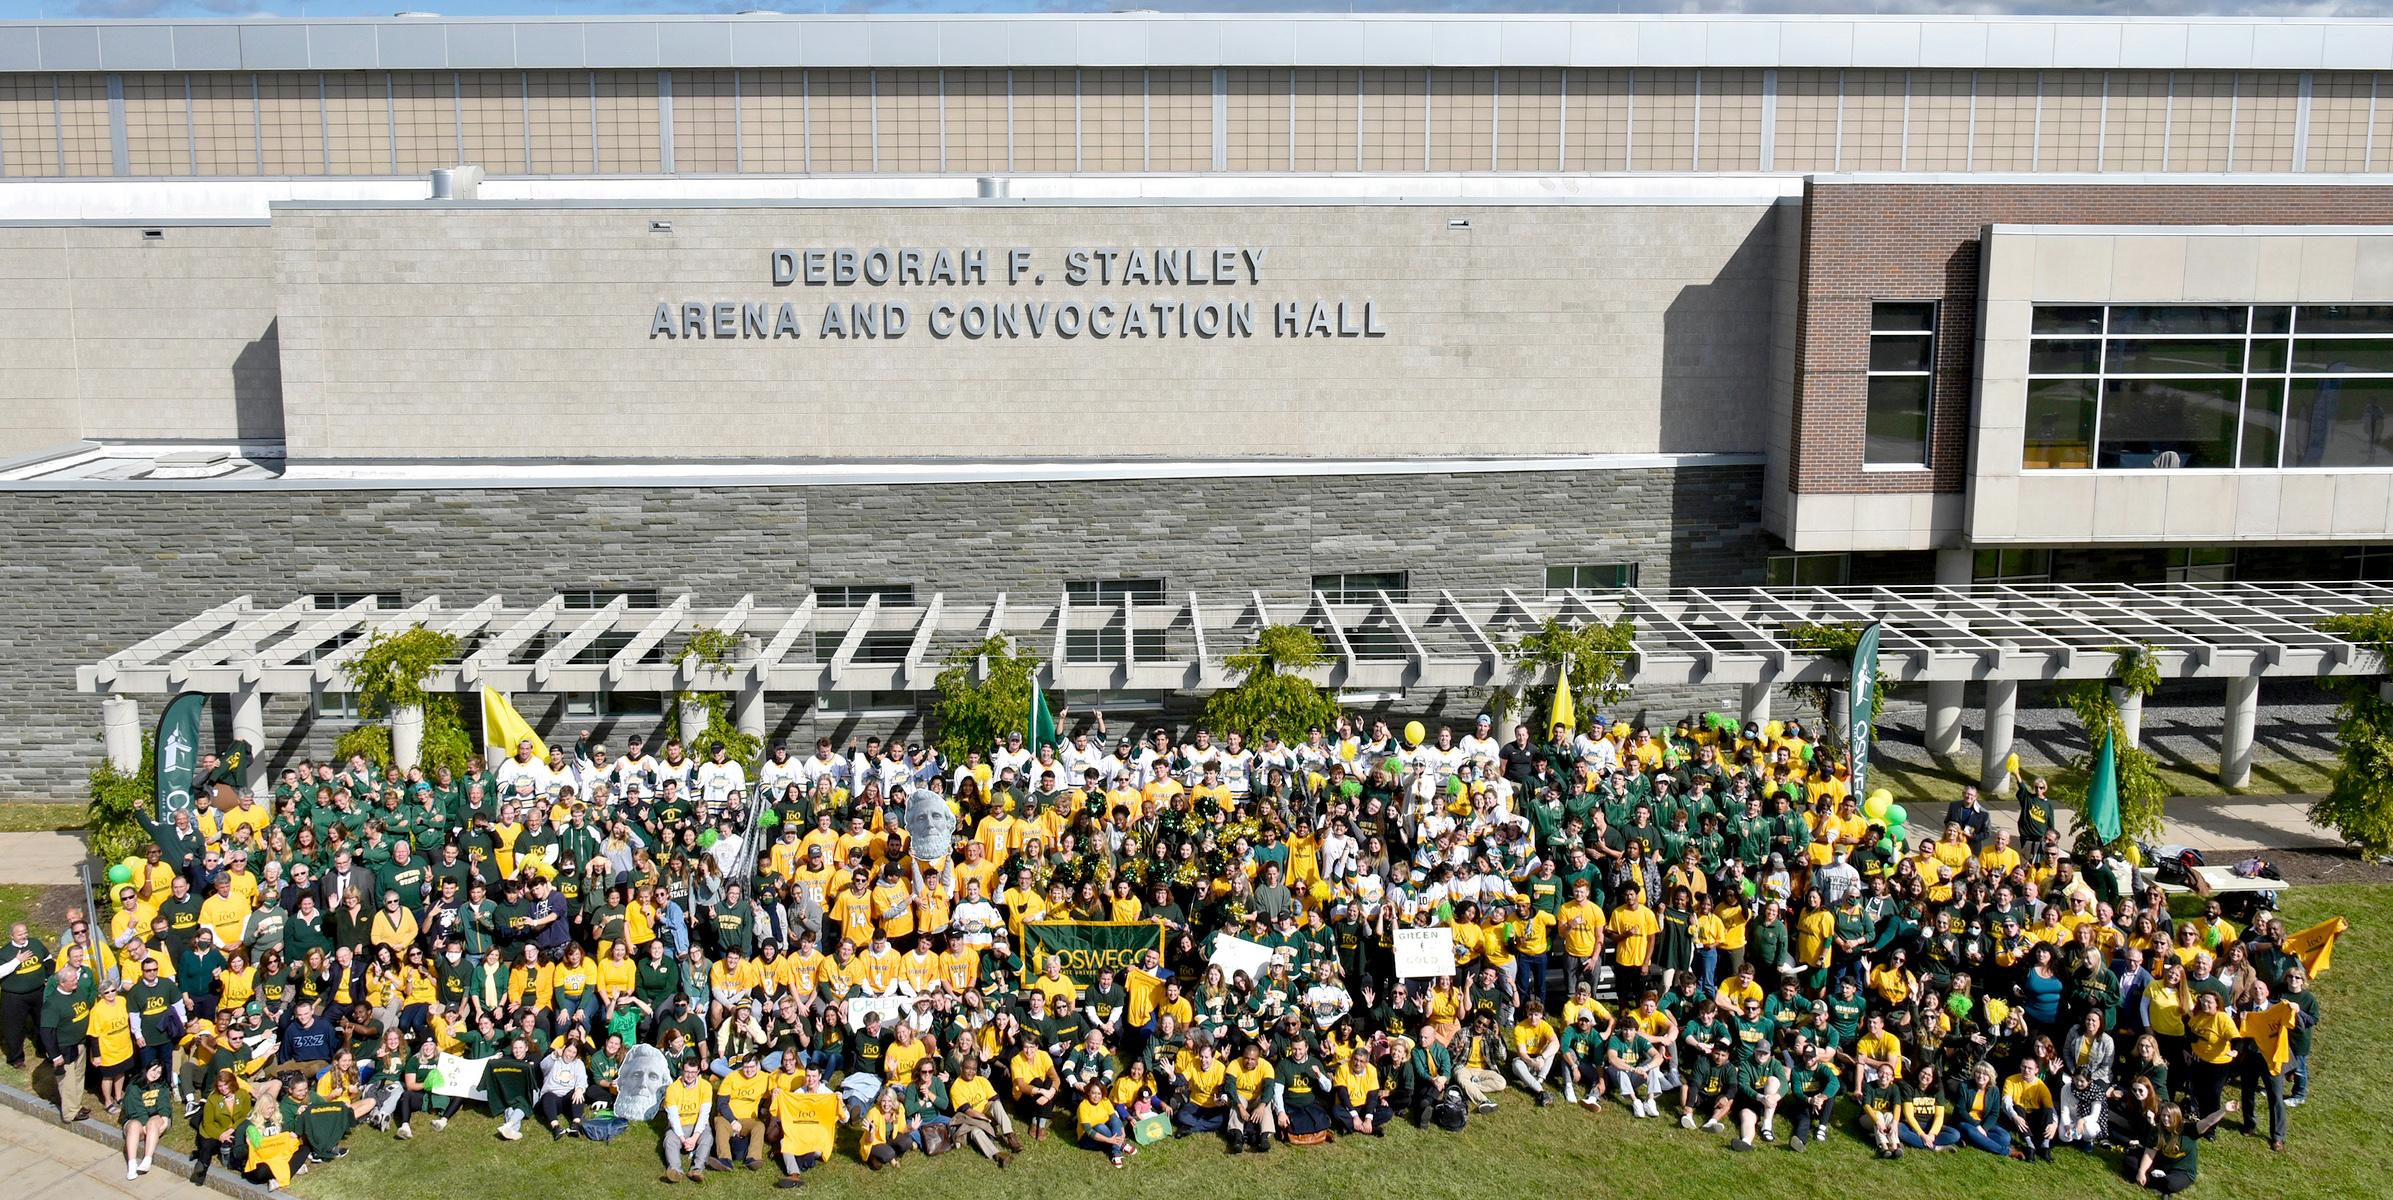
(2141,792)
(976,711)
(1269,697)
(2359,803)
(1597,654)
(389,675)
(116,816)
(1838,642)
(712,649)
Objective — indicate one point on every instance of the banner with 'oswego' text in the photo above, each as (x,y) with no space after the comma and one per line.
(1088,947)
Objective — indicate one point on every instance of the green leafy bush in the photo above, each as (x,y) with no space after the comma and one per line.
(118,802)
(1269,697)
(2359,803)
(974,712)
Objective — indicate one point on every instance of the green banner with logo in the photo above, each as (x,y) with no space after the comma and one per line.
(177,752)
(1088,947)
(1860,719)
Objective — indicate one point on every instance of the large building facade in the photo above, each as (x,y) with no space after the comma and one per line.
(1123,307)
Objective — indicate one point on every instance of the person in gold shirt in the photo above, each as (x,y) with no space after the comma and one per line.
(1102,1127)
(886,1137)
(1036,1083)
(979,1116)
(1358,1098)
(739,1113)
(1633,928)
(110,1028)
(1581,923)
(1251,1080)
(688,1102)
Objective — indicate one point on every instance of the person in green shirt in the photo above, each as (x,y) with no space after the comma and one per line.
(148,1108)
(1762,1083)
(1709,1091)
(226,1107)
(65,1022)
(509,1080)
(1816,1082)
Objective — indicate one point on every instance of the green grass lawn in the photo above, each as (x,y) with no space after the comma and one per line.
(17,903)
(2270,777)
(2337,1149)
(40,817)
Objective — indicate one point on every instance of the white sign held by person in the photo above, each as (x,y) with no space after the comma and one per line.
(891,1008)
(461,1077)
(1423,953)
(1233,954)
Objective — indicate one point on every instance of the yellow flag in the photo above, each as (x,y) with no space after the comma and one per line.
(2315,946)
(503,729)
(1146,992)
(1565,713)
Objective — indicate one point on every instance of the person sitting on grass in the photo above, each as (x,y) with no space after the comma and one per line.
(687,1141)
(509,1080)
(1102,1126)
(148,1109)
(1881,1112)
(886,1138)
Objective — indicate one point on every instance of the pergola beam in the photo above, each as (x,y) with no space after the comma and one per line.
(777,650)
(583,634)
(140,653)
(501,648)
(314,631)
(921,645)
(853,640)
(328,666)
(651,635)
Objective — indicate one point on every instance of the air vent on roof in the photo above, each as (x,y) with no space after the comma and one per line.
(194,464)
(153,235)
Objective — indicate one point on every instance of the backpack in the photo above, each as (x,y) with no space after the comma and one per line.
(1452,1110)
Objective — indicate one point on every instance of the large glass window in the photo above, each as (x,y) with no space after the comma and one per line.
(1598,577)
(1362,587)
(1901,379)
(2200,564)
(1104,644)
(1808,570)
(2012,566)
(2139,386)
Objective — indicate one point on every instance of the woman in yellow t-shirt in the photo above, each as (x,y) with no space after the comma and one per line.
(2213,1030)
(1102,1126)
(111,1032)
(885,1138)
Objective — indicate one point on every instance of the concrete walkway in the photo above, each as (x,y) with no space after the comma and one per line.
(39,858)
(2214,825)
(42,1158)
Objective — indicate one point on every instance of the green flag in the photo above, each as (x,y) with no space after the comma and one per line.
(177,752)
(1042,720)
(2102,791)
(1860,714)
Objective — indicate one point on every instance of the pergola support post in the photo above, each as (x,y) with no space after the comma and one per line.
(249,715)
(407,736)
(120,729)
(2131,715)
(1755,703)
(693,723)
(747,712)
(2237,734)
(2002,716)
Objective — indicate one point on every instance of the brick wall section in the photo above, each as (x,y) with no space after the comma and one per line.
(86,574)
(1919,241)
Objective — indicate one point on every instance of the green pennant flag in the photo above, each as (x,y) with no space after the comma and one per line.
(1042,720)
(2102,791)
(177,757)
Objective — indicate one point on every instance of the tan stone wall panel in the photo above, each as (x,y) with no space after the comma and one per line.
(224,127)
(1529,100)
(1731,129)
(1045,112)
(706,133)
(1113,108)
(1874,106)
(2138,122)
(491,118)
(2201,121)
(2072,133)
(1596,137)
(780,109)
(1938,136)
(28,127)
(83,124)
(357,110)
(291,123)
(2339,121)
(1180,115)
(1462,120)
(1328,107)
(1664,121)
(1808,102)
(2006,122)
(2265,113)
(1395,119)
(424,112)
(1257,138)
(1566,326)
(157,125)
(626,107)
(557,110)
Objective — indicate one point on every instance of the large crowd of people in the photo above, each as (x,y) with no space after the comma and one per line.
(1700,923)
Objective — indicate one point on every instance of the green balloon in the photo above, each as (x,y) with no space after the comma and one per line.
(120,874)
(1886,844)
(1807,751)
(707,838)
(769,818)
(1896,816)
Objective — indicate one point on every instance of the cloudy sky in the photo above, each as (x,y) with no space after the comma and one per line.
(84,9)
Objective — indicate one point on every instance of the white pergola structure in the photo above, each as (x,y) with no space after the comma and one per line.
(1945,636)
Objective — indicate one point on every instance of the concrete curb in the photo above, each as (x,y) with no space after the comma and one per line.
(173,1161)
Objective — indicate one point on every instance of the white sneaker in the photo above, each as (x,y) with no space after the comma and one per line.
(1820,1134)
(1769,1134)
(405,1132)
(145,1162)
(1686,1121)
(1713,1126)
(132,1172)
(512,1135)
(1570,1093)
(439,1123)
